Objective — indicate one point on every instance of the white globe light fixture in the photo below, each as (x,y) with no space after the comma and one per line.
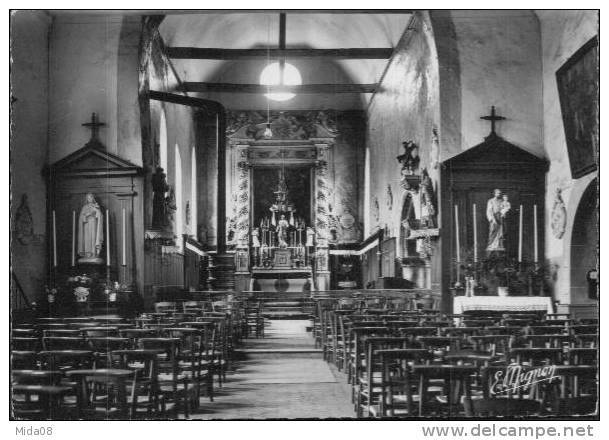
(270,76)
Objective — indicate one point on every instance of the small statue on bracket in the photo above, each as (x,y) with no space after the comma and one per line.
(428,209)
(409,159)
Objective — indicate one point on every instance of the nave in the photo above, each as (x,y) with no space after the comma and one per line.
(361,355)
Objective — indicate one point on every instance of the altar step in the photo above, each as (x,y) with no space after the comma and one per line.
(285,305)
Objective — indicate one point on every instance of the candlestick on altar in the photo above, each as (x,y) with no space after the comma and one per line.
(457,233)
(535,243)
(520,235)
(108,237)
(475,235)
(124,260)
(54,240)
(73,238)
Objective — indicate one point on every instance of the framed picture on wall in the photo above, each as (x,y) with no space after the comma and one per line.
(578,81)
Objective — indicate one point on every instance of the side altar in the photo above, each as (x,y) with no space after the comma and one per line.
(279,194)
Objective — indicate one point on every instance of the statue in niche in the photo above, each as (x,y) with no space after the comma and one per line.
(410,158)
(282,232)
(159,203)
(24,224)
(90,231)
(497,208)
(428,209)
(170,210)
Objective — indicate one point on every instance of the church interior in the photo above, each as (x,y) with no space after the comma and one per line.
(304,214)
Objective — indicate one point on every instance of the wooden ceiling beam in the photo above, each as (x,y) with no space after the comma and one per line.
(203,87)
(200,53)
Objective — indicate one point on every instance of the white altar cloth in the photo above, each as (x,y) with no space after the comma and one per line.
(502,303)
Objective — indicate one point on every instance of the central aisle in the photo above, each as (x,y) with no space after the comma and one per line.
(282,376)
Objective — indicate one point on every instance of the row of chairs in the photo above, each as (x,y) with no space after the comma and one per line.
(421,363)
(151,367)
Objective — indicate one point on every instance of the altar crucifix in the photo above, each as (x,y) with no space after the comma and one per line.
(94,126)
(493,117)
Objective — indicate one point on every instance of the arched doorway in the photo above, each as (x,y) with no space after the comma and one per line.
(584,245)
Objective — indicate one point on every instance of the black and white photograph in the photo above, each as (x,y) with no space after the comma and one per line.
(305,214)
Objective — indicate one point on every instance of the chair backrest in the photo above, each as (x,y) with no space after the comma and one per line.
(25,344)
(114,381)
(63,343)
(100,332)
(105,345)
(66,359)
(24,360)
(165,306)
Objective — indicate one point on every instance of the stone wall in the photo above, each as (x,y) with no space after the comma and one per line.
(29,150)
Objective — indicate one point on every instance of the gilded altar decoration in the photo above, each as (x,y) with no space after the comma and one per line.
(286,125)
(558,215)
(90,232)
(24,224)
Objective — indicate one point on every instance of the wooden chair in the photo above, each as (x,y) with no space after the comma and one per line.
(254,321)
(387,386)
(144,392)
(574,393)
(103,393)
(505,407)
(39,402)
(195,359)
(457,381)
(175,385)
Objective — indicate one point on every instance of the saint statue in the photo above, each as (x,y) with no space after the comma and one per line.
(170,209)
(90,231)
(428,210)
(159,205)
(496,210)
(282,232)
(410,158)
(255,239)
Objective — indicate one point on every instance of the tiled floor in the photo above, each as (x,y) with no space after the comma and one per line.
(281,387)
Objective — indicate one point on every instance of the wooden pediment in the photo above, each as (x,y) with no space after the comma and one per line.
(496,152)
(94,160)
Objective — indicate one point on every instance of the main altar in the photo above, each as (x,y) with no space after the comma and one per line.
(279,202)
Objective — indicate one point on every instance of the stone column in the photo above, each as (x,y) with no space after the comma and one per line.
(322,220)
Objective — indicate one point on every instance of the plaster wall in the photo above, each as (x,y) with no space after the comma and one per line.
(562,34)
(28,150)
(93,68)
(498,63)
(406,108)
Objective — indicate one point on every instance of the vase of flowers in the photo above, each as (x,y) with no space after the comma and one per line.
(81,285)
